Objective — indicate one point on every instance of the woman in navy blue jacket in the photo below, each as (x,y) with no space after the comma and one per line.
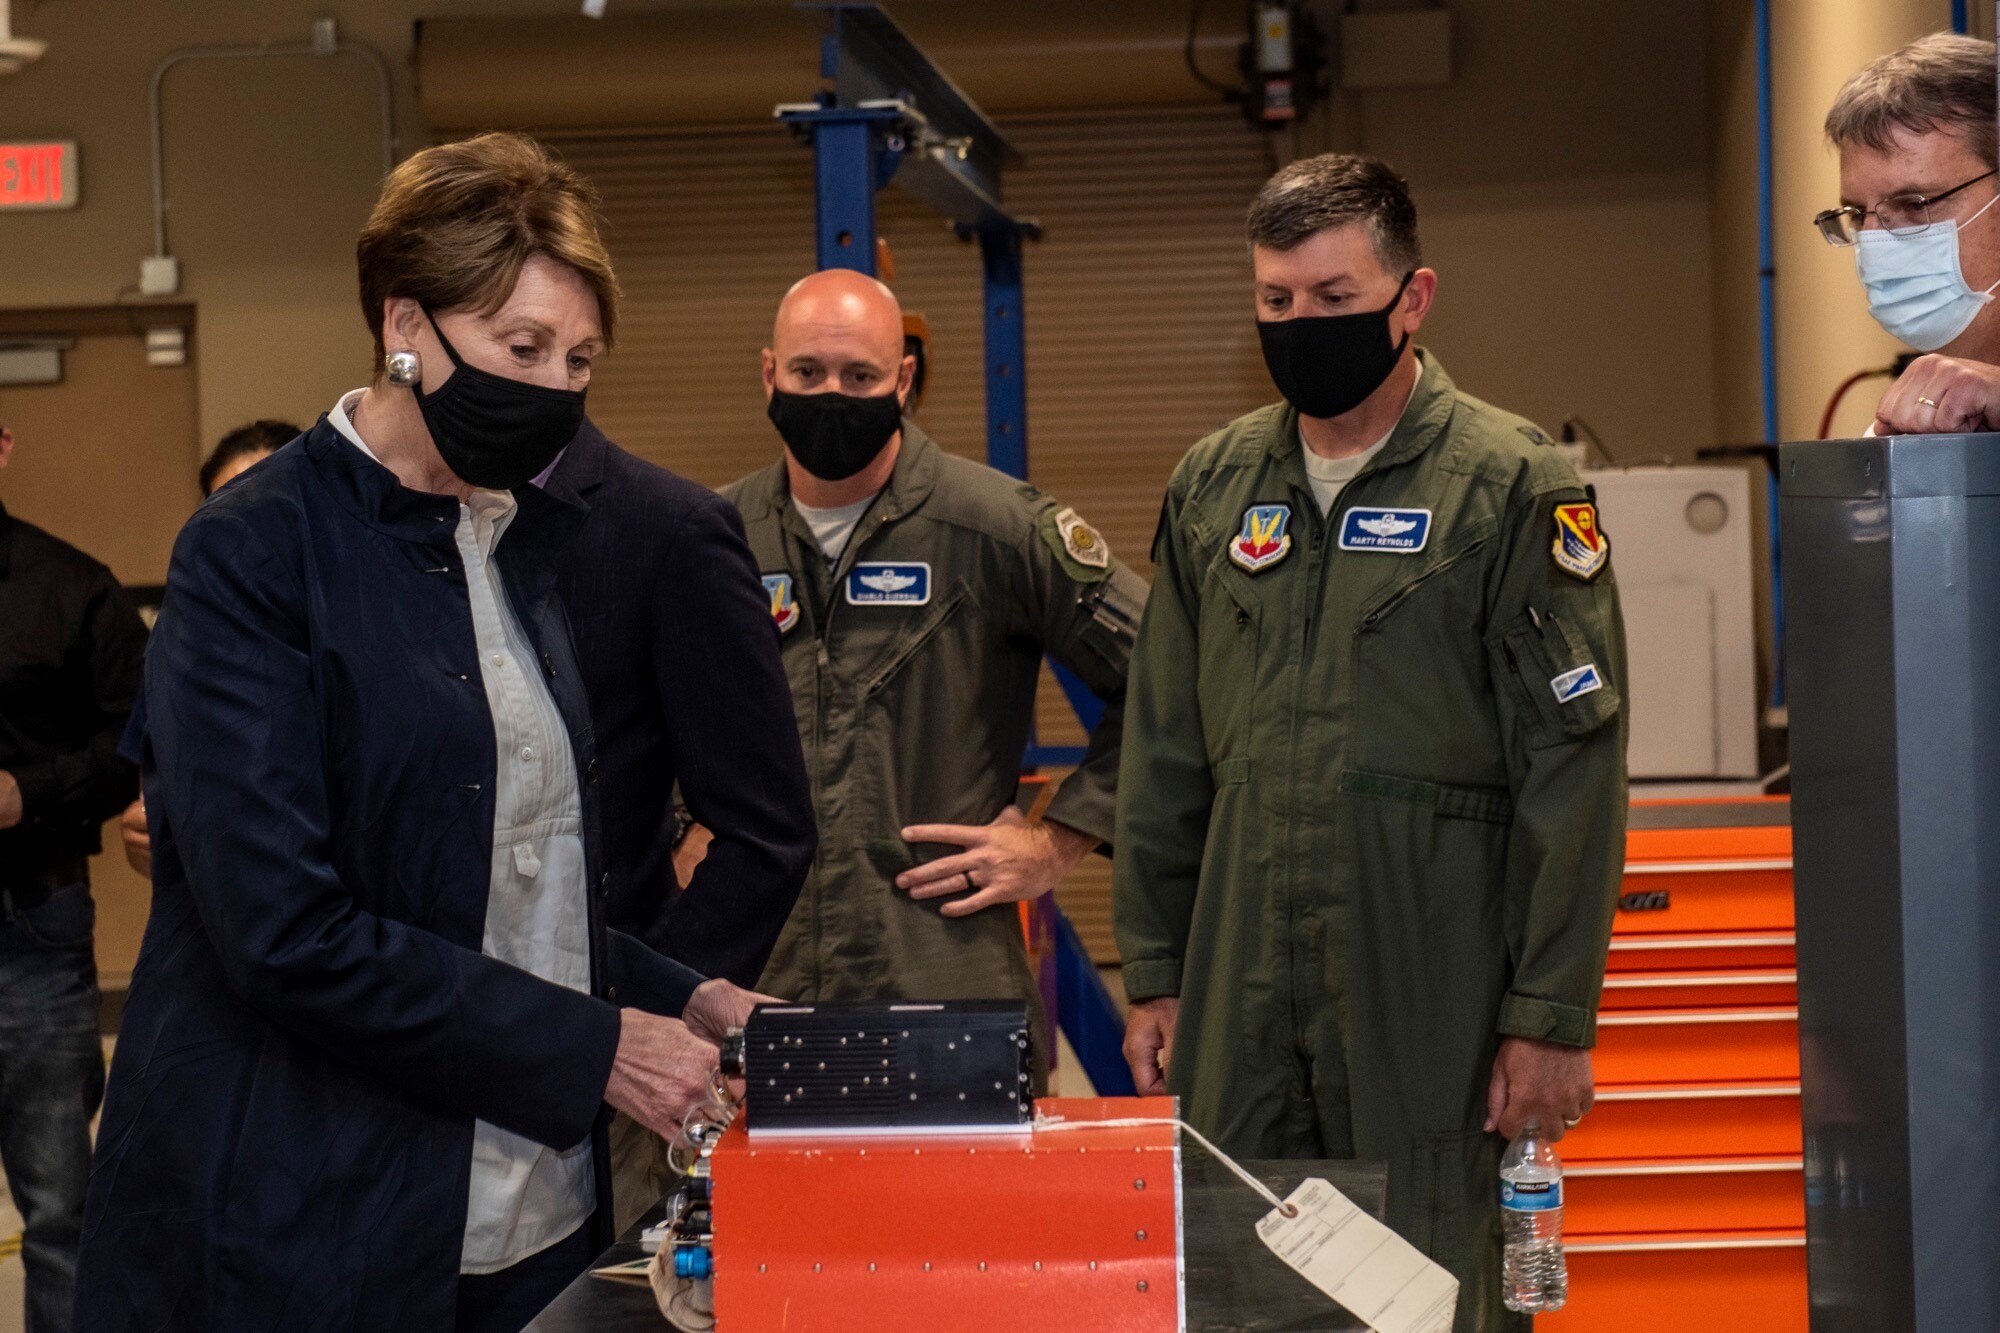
(361,1081)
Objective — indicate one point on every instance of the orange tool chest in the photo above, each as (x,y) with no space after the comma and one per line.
(1685,1187)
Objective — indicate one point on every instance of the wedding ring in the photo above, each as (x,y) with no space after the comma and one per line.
(1928,402)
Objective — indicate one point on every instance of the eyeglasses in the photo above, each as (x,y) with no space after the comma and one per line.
(1899,214)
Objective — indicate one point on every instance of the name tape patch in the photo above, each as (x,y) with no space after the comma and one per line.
(1397,531)
(1572,685)
(889,583)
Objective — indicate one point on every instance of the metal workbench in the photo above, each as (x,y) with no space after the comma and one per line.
(1233,1282)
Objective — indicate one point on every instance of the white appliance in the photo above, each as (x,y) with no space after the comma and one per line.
(1681,542)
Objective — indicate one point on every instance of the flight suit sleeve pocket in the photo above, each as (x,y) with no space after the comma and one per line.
(1569,694)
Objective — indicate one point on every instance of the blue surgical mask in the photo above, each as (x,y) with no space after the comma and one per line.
(1916,289)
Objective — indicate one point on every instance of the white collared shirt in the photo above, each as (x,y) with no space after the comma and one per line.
(524,1197)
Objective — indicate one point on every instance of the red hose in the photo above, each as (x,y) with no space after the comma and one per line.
(1833,404)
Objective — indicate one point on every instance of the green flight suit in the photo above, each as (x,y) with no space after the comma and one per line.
(1372,805)
(914,662)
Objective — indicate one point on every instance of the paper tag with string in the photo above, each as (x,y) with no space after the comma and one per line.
(1375,1274)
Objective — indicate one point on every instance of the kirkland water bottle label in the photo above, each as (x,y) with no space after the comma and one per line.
(1531,1196)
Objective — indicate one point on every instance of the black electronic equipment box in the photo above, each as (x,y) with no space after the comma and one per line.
(885,1067)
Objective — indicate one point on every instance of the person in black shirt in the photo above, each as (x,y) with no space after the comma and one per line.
(233,455)
(70,649)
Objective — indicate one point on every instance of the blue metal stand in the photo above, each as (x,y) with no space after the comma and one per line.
(890,113)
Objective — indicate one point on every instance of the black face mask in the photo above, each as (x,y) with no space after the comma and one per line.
(835,435)
(1327,365)
(493,431)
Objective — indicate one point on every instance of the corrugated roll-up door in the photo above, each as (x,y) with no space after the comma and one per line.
(1137,303)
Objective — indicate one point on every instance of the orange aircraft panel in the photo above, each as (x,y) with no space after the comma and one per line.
(952,1232)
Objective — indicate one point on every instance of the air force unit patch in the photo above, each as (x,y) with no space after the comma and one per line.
(1397,531)
(1263,541)
(1572,685)
(1581,549)
(1084,543)
(784,608)
(901,583)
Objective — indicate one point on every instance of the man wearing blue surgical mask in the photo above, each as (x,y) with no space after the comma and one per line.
(1917,140)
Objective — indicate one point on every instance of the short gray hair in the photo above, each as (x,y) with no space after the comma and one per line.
(1332,190)
(1943,82)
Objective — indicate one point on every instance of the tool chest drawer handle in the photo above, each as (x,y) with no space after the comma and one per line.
(1695,1094)
(1715,1167)
(1648,981)
(1634,1020)
(1705,867)
(1667,1246)
(1621,943)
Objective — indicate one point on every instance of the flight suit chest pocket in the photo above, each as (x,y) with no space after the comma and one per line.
(1461,549)
(1568,692)
(923,628)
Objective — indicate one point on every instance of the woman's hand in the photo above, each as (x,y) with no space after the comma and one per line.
(717,1006)
(661,1070)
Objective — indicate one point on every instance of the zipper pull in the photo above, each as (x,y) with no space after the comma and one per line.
(1535,616)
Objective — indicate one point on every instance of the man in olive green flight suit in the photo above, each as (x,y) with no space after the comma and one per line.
(1372,805)
(915,594)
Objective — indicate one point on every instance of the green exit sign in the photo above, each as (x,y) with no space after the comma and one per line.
(38,176)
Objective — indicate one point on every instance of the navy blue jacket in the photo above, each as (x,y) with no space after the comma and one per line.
(680,657)
(312,1029)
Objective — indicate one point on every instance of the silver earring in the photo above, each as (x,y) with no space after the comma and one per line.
(405,369)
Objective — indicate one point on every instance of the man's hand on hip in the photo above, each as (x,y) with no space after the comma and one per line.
(1541,1081)
(661,1070)
(10,800)
(1149,1042)
(137,838)
(1941,395)
(1007,861)
(717,1006)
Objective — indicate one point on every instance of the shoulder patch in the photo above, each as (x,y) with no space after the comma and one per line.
(784,606)
(1082,541)
(1581,549)
(1263,541)
(1082,550)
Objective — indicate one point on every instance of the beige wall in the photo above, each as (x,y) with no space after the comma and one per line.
(1561,173)
(1562,183)
(1824,331)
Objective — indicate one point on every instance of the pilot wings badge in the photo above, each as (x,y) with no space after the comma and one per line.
(1581,549)
(784,607)
(884,583)
(1263,541)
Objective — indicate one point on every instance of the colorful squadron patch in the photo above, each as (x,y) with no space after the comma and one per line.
(784,609)
(1263,541)
(1581,548)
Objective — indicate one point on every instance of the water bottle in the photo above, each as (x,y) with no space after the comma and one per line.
(1534,1275)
